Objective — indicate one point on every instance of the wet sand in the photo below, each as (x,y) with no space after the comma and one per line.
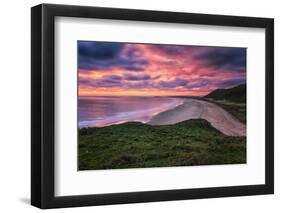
(194,109)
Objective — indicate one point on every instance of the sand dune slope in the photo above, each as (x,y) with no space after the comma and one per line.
(192,109)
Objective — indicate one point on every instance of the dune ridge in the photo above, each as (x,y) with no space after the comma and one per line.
(196,109)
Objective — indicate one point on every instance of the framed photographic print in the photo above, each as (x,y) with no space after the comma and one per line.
(139,106)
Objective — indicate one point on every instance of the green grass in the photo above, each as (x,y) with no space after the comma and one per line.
(137,145)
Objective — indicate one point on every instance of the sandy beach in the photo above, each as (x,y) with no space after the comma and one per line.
(194,109)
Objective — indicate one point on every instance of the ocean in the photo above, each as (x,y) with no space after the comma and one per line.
(105,111)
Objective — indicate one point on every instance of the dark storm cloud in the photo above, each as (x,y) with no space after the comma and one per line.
(225,58)
(150,83)
(229,82)
(127,80)
(141,77)
(198,83)
(133,81)
(99,50)
(223,83)
(175,49)
(108,81)
(106,56)
(173,83)
(114,77)
(170,49)
(139,84)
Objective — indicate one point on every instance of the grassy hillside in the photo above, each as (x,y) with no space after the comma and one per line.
(235,94)
(232,100)
(137,145)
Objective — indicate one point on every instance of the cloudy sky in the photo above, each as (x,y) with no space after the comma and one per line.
(114,69)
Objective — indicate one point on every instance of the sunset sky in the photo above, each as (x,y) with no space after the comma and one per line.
(125,69)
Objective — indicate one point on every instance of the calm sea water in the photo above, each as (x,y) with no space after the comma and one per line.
(105,111)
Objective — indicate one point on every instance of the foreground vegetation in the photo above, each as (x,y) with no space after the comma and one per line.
(137,145)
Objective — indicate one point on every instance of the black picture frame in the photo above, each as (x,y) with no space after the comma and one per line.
(43,102)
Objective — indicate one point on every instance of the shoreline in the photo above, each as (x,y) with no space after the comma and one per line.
(140,114)
(193,108)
